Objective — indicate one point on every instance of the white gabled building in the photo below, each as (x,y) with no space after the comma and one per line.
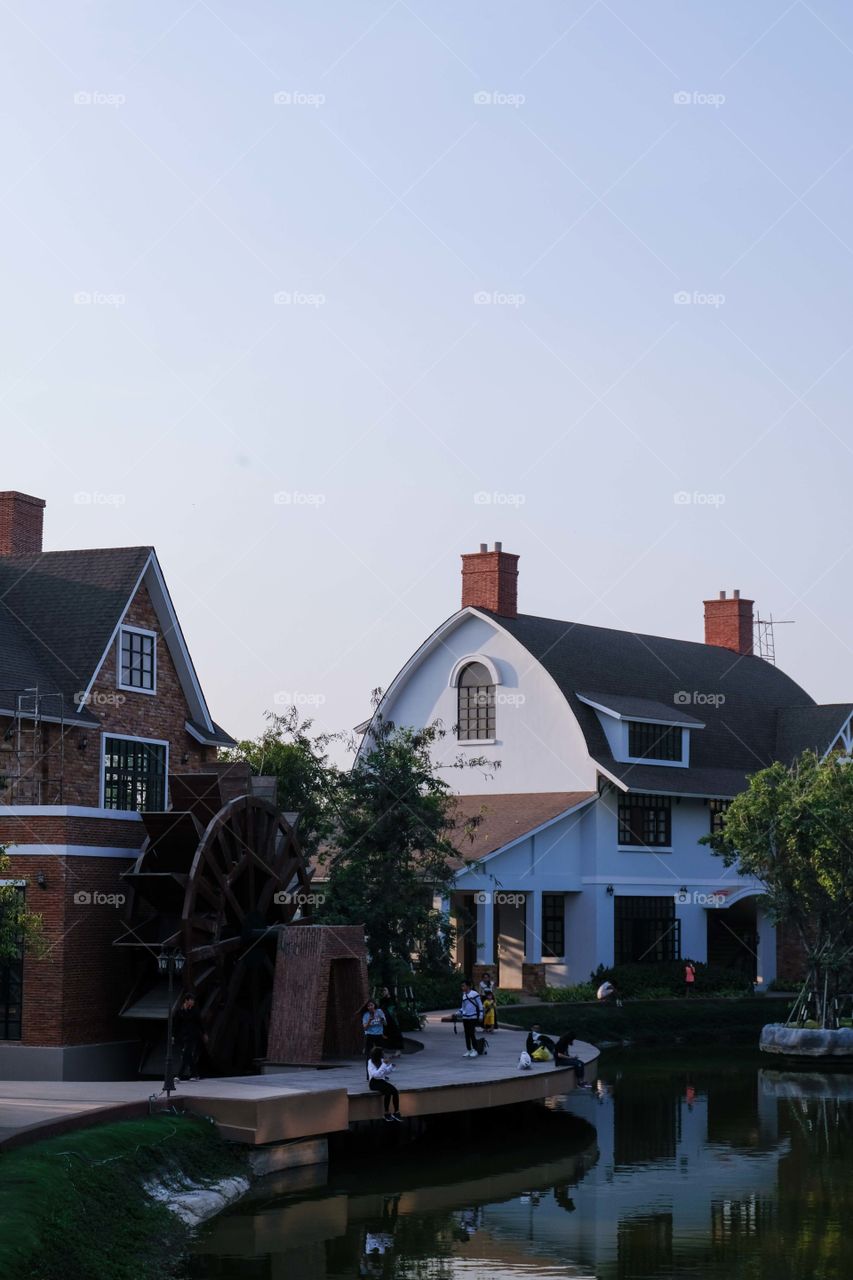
(615,753)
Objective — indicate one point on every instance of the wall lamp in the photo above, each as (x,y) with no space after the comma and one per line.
(82,742)
(41,880)
(609,891)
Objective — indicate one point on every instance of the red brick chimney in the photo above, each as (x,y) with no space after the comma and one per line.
(21,522)
(729,623)
(490,581)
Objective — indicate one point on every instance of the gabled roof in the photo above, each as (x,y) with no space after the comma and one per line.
(810,729)
(739,698)
(59,612)
(506,818)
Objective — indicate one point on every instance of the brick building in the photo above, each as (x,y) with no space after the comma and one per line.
(99,704)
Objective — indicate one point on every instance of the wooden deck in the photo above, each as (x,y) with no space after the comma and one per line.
(300,1102)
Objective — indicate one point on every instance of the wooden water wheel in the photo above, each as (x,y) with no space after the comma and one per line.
(216,879)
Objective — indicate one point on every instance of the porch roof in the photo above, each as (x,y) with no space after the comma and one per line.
(506,818)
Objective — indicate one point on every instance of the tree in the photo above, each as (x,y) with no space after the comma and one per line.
(393,848)
(792,829)
(307,781)
(20,929)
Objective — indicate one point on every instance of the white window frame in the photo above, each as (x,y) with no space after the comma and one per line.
(130,737)
(132,688)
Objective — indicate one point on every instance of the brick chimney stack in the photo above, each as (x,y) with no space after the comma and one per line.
(729,623)
(21,523)
(490,581)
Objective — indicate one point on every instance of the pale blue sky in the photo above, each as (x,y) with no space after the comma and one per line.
(182,198)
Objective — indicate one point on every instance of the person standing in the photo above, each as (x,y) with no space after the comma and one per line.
(689,978)
(471,1013)
(188,1036)
(488,988)
(378,1071)
(373,1026)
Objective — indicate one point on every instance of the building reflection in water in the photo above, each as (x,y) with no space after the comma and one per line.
(707,1170)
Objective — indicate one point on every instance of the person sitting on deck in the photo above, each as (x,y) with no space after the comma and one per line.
(378,1071)
(563,1057)
(536,1042)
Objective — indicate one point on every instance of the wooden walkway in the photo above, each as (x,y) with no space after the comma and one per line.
(301,1102)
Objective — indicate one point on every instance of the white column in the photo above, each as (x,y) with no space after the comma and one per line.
(766,945)
(533,922)
(485,929)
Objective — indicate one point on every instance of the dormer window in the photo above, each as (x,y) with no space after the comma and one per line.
(654,741)
(137,660)
(476,718)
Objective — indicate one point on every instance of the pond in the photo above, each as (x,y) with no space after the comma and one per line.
(676,1165)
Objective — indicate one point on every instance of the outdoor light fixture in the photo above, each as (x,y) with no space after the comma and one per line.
(185,758)
(82,742)
(610,891)
(683,889)
(170,962)
(41,880)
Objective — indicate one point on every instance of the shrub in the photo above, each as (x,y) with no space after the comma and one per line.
(657,1021)
(436,990)
(567,995)
(666,979)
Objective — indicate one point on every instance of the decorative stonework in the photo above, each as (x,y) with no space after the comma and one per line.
(806,1042)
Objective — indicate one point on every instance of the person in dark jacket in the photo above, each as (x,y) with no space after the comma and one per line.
(188,1036)
(563,1057)
(536,1040)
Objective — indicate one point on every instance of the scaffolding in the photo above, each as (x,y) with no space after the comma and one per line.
(32,751)
(764,644)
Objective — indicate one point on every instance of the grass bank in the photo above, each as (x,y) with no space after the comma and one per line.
(652,1022)
(74,1208)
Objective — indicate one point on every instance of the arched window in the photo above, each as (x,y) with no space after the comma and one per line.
(476,703)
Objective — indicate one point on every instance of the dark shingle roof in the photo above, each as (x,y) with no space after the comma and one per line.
(809,729)
(506,817)
(58,610)
(641,708)
(746,694)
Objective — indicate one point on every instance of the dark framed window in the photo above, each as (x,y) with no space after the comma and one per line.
(134,774)
(646,930)
(553,924)
(645,820)
(137,669)
(654,741)
(476,704)
(11,992)
(718,815)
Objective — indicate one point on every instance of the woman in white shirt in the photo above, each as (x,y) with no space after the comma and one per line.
(378,1071)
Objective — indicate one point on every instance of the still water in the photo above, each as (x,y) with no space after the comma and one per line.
(677,1165)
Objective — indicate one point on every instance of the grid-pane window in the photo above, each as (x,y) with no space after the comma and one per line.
(11,992)
(718,815)
(645,820)
(553,924)
(476,704)
(137,660)
(134,774)
(654,741)
(646,930)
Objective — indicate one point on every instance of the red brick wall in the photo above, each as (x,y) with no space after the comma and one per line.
(729,623)
(490,581)
(73,993)
(21,523)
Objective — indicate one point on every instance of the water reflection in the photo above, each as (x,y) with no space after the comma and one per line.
(712,1167)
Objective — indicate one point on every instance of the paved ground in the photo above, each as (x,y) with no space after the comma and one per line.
(48,1103)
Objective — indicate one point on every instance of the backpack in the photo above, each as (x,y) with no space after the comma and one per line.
(481,1044)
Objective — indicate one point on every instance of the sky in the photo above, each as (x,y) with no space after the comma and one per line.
(316,297)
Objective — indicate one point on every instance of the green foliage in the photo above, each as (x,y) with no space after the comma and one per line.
(308,783)
(437,990)
(391,850)
(20,929)
(791,829)
(666,979)
(568,995)
(74,1206)
(666,1022)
